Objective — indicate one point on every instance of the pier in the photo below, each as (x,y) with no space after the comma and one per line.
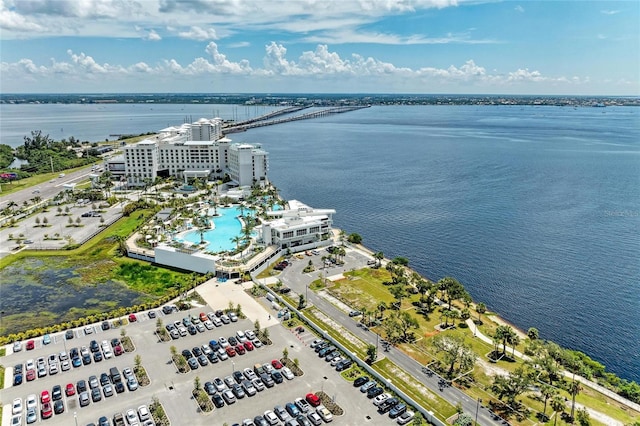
(261,122)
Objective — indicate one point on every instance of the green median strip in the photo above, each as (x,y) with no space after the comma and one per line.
(359,350)
(414,389)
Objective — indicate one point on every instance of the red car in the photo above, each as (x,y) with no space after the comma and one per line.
(230,351)
(30,345)
(45,397)
(70,389)
(132,318)
(46,410)
(117,350)
(31,375)
(240,350)
(203,317)
(248,346)
(312,399)
(276,364)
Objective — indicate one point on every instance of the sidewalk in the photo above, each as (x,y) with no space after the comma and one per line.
(581,379)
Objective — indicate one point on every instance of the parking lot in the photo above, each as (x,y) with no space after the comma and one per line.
(173,389)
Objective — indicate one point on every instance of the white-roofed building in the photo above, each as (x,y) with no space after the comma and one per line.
(300,226)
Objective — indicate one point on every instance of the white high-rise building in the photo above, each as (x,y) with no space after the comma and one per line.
(195,150)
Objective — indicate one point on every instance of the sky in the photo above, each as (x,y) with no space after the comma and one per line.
(531,47)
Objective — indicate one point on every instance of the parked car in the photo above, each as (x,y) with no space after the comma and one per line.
(312,399)
(325,413)
(397,410)
(405,418)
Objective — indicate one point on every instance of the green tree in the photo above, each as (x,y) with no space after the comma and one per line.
(533,333)
(381,308)
(196,383)
(583,417)
(371,354)
(451,289)
(137,362)
(511,386)
(547,391)
(457,355)
(355,238)
(481,308)
(557,405)
(285,353)
(574,390)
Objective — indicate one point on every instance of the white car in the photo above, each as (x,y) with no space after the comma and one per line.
(29,365)
(143,413)
(256,343)
(381,398)
(65,366)
(287,373)
(108,353)
(325,414)
(336,360)
(132,417)
(241,336)
(16,408)
(405,417)
(250,334)
(271,417)
(17,346)
(31,401)
(258,384)
(208,324)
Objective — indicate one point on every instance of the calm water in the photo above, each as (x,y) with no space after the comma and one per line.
(536,210)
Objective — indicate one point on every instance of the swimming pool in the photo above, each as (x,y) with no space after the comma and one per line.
(227,226)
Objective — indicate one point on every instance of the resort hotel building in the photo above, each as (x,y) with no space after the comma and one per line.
(192,150)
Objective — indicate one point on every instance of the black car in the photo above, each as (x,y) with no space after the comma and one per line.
(232,341)
(96,395)
(170,327)
(210,388)
(192,330)
(238,376)
(277,377)
(324,351)
(103,421)
(58,407)
(105,325)
(86,359)
(388,405)
(81,386)
(119,386)
(167,310)
(68,335)
(56,393)
(115,342)
(217,400)
(344,364)
(97,357)
(213,358)
(360,381)
(17,379)
(74,353)
(104,379)
(375,391)
(187,353)
(17,369)
(94,347)
(196,351)
(260,421)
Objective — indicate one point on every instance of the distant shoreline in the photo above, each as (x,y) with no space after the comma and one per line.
(320,100)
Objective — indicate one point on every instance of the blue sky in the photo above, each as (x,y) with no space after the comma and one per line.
(333,46)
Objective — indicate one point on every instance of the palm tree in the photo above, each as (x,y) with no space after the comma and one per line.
(547,392)
(237,240)
(574,389)
(557,405)
(378,256)
(381,308)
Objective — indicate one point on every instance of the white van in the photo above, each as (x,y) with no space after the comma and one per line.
(270,297)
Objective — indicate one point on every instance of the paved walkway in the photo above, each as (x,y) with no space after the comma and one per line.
(581,379)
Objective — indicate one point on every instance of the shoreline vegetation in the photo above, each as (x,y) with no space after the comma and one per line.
(397,290)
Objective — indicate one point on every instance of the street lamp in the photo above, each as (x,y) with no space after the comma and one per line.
(477,408)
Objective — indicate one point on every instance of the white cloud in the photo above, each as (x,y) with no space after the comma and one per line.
(609,12)
(519,8)
(152,36)
(200,34)
(313,65)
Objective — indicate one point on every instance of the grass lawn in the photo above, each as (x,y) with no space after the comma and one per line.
(346,339)
(19,185)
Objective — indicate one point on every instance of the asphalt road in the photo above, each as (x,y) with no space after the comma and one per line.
(293,277)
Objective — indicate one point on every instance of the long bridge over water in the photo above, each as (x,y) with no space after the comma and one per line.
(263,120)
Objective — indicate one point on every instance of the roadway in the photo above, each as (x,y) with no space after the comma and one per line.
(293,277)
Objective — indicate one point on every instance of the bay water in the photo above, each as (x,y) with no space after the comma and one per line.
(535,209)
